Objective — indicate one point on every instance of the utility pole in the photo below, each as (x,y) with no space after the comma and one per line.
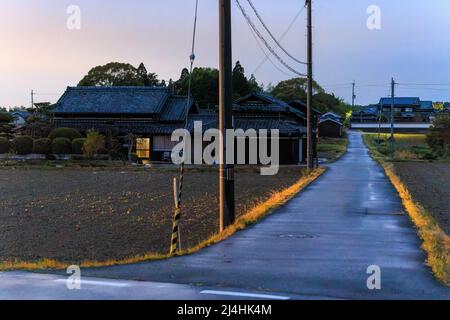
(226,189)
(353,94)
(392,113)
(32,99)
(310,134)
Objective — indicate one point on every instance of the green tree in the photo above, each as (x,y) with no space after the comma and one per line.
(241,85)
(294,89)
(94,142)
(118,74)
(205,86)
(253,84)
(438,137)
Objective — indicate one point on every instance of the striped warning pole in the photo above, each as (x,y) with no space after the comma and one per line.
(175,243)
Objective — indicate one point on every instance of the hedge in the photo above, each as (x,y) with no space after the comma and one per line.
(5,145)
(5,117)
(42,146)
(77,145)
(68,133)
(23,145)
(61,146)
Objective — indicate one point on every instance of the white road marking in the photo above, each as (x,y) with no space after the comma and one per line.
(243,294)
(98,283)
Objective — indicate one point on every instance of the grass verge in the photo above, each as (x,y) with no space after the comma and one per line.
(251,217)
(436,242)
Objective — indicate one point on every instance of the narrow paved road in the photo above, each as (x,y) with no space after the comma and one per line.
(317,246)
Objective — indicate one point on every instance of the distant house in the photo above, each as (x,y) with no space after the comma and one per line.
(20,117)
(406,109)
(153,113)
(331,125)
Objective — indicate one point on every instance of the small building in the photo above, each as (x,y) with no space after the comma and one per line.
(153,113)
(330,127)
(20,118)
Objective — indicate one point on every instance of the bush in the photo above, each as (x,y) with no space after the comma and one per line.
(5,117)
(61,146)
(68,133)
(23,145)
(5,145)
(77,145)
(94,143)
(438,137)
(42,146)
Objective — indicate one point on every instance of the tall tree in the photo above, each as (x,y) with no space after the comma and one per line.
(240,83)
(143,74)
(205,86)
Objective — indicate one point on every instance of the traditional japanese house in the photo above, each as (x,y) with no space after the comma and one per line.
(153,113)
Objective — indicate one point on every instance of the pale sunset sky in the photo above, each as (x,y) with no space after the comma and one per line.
(39,52)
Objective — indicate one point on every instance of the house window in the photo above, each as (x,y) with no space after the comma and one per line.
(409,110)
(143,148)
(163,143)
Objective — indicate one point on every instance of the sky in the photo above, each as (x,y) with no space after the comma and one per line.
(39,52)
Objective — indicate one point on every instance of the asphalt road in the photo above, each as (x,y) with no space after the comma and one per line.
(318,246)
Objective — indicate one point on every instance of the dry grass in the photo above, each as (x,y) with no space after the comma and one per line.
(435,241)
(258,212)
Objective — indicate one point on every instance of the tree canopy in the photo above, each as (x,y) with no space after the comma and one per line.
(205,85)
(119,74)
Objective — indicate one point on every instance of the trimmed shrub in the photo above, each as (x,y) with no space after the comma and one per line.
(61,146)
(5,145)
(77,145)
(23,145)
(42,146)
(68,133)
(95,142)
(5,117)
(438,137)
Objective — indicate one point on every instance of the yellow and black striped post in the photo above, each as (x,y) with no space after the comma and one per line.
(175,244)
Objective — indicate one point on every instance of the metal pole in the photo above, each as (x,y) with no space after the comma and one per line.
(310,146)
(227,206)
(392,113)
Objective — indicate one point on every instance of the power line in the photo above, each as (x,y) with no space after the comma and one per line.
(267,56)
(271,34)
(260,36)
(282,36)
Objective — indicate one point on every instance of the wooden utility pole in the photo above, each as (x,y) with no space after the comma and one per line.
(310,120)
(32,99)
(227,206)
(392,113)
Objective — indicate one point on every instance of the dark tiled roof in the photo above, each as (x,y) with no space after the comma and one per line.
(400,101)
(176,108)
(265,102)
(118,100)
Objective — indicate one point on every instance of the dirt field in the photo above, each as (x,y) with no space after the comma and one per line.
(74,215)
(429,184)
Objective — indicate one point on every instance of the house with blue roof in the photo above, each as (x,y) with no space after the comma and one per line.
(406,109)
(153,113)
